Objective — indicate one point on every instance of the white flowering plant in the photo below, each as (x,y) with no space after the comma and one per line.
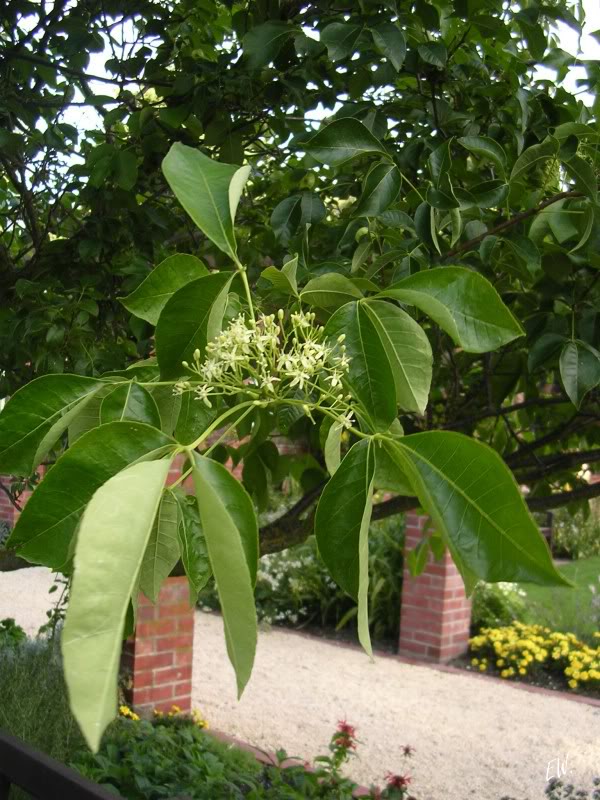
(336,353)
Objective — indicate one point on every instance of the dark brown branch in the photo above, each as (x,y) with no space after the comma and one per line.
(10,496)
(509,223)
(77,73)
(544,465)
(564,498)
(288,530)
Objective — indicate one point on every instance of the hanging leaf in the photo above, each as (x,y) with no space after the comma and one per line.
(169,407)
(190,319)
(487,148)
(390,42)
(129,401)
(194,554)
(408,351)
(45,528)
(111,542)
(284,279)
(584,176)
(194,418)
(463,303)
(208,190)
(476,505)
(534,155)
(370,374)
(342,140)
(579,370)
(380,189)
(162,551)
(340,39)
(342,527)
(151,296)
(329,291)
(263,42)
(434,53)
(231,534)
(332,448)
(37,415)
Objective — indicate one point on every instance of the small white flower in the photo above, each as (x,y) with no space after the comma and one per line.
(202,393)
(346,419)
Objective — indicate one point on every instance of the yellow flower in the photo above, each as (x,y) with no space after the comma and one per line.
(573,684)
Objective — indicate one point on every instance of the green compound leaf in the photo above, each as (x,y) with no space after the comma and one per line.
(340,39)
(342,527)
(380,189)
(370,373)
(579,370)
(111,542)
(330,291)
(37,415)
(487,148)
(476,505)
(151,296)
(463,303)
(45,529)
(231,534)
(343,140)
(208,190)
(191,318)
(194,554)
(162,552)
(390,42)
(130,401)
(263,42)
(408,351)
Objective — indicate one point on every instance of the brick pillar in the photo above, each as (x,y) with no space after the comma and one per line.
(435,613)
(160,653)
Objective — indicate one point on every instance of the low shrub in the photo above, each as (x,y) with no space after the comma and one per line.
(173,756)
(576,535)
(11,634)
(33,698)
(495,605)
(294,588)
(533,652)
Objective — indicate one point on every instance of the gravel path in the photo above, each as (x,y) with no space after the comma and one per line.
(474,738)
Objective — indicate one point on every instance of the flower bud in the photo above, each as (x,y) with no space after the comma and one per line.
(196,354)
(280,314)
(185,364)
(341,337)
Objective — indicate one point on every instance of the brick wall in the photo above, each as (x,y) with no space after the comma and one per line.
(435,612)
(160,654)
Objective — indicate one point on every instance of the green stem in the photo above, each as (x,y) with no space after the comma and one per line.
(217,424)
(227,432)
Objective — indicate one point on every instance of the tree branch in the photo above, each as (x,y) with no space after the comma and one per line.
(288,530)
(521,217)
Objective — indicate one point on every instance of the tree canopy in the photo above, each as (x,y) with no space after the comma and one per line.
(372,229)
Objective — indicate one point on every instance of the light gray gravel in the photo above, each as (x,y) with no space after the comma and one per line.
(474,738)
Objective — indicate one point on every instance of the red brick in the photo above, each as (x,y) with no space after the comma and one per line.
(154,661)
(180,642)
(146,613)
(172,675)
(161,692)
(185,624)
(184,657)
(174,610)
(143,678)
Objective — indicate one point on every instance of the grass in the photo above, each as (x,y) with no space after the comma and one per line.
(565,609)
(33,699)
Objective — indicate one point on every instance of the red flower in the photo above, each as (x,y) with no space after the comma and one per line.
(397,781)
(345,728)
(344,740)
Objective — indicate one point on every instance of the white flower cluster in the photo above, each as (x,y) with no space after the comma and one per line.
(271,360)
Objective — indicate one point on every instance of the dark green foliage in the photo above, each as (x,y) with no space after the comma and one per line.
(33,698)
(11,634)
(295,589)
